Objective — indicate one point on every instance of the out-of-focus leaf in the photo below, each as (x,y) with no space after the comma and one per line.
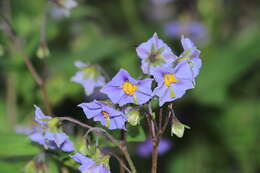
(16,145)
(223,66)
(135,134)
(11,166)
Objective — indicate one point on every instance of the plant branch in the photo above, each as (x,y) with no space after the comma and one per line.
(37,78)
(122,148)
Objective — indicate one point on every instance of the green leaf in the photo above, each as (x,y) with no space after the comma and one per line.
(16,145)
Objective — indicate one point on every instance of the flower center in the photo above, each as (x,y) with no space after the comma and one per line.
(105,114)
(129,88)
(169,79)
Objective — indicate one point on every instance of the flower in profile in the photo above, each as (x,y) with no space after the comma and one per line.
(154,53)
(88,165)
(144,149)
(190,55)
(123,89)
(44,136)
(40,118)
(89,77)
(108,116)
(172,82)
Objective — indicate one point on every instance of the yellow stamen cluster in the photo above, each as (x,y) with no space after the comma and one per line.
(129,88)
(105,114)
(169,79)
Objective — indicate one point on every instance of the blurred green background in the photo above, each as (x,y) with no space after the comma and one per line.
(223,110)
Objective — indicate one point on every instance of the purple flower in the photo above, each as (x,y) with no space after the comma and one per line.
(89,77)
(194,29)
(154,53)
(172,82)
(88,165)
(50,140)
(40,118)
(190,55)
(144,149)
(59,140)
(123,89)
(108,116)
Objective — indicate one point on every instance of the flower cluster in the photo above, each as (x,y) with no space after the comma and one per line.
(166,78)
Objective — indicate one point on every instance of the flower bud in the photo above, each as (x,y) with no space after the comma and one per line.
(178,128)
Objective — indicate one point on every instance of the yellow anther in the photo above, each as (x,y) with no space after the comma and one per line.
(169,79)
(105,114)
(129,88)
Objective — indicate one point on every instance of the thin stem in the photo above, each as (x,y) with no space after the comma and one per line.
(123,142)
(170,114)
(122,148)
(155,156)
(37,78)
(120,161)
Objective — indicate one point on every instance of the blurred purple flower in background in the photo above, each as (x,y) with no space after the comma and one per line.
(88,76)
(61,8)
(195,30)
(88,165)
(172,82)
(154,53)
(123,89)
(108,116)
(144,149)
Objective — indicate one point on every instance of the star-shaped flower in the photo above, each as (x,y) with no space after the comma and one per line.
(172,82)
(154,53)
(123,89)
(108,116)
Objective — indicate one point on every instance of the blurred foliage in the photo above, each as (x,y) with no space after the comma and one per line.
(223,110)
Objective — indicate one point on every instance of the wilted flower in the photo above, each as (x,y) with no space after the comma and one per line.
(123,89)
(172,82)
(178,128)
(108,116)
(88,165)
(154,53)
(89,77)
(190,55)
(44,136)
(144,149)
(193,29)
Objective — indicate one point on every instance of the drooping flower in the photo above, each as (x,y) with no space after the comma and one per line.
(89,77)
(154,53)
(108,116)
(123,89)
(172,82)
(88,165)
(144,149)
(190,55)
(44,136)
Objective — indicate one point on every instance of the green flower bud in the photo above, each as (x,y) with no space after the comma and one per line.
(178,128)
(133,117)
